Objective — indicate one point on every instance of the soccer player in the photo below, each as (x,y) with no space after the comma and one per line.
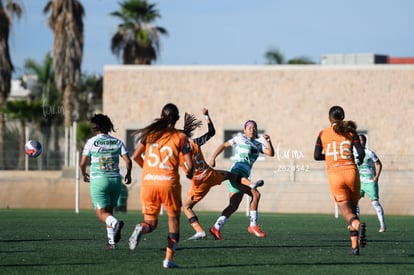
(369,172)
(160,184)
(335,145)
(206,177)
(247,150)
(103,151)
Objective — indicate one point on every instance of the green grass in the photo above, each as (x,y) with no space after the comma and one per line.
(63,242)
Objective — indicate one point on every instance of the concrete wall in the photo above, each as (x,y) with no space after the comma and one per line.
(290,103)
(281,193)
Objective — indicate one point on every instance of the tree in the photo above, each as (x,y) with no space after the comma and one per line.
(24,111)
(52,116)
(66,22)
(275,56)
(89,96)
(137,40)
(11,9)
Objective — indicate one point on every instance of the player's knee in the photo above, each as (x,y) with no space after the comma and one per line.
(354,223)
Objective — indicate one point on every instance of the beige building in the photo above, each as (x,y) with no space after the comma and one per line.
(290,103)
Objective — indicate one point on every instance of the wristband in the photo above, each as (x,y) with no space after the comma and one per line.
(207,117)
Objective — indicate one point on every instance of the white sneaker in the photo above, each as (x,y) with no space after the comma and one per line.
(169,264)
(135,236)
(383,228)
(257,184)
(198,236)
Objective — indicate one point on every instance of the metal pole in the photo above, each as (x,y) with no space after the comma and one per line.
(26,157)
(77,192)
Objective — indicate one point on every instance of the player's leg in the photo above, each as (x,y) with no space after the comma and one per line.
(373,195)
(234,202)
(236,178)
(150,209)
(188,205)
(103,193)
(245,186)
(345,188)
(172,203)
(173,239)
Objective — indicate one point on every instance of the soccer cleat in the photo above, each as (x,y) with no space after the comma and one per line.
(216,233)
(355,251)
(110,246)
(135,236)
(256,184)
(117,231)
(169,264)
(255,230)
(198,236)
(362,234)
(383,229)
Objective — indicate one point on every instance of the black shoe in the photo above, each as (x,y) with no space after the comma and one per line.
(117,231)
(355,251)
(362,234)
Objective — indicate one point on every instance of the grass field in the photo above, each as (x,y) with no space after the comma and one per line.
(63,242)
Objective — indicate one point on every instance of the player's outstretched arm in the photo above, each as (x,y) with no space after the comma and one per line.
(269,150)
(218,151)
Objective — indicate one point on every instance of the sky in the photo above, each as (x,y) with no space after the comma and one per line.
(232,32)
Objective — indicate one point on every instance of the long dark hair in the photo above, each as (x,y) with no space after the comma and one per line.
(102,123)
(190,124)
(340,126)
(160,126)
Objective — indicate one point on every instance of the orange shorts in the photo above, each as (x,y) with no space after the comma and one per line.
(202,184)
(153,196)
(344,183)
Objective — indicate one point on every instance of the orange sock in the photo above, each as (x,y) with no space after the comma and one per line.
(354,231)
(171,246)
(354,239)
(169,254)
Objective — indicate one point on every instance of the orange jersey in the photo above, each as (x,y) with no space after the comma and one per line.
(204,176)
(199,161)
(338,150)
(340,165)
(162,159)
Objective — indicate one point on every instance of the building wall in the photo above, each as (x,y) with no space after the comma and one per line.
(290,103)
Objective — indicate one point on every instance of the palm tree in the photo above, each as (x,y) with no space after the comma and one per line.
(275,56)
(52,116)
(137,40)
(6,66)
(24,111)
(66,22)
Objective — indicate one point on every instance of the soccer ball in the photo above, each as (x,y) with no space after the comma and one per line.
(33,148)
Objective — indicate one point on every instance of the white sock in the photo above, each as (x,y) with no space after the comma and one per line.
(111,221)
(220,222)
(380,212)
(110,233)
(253,217)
